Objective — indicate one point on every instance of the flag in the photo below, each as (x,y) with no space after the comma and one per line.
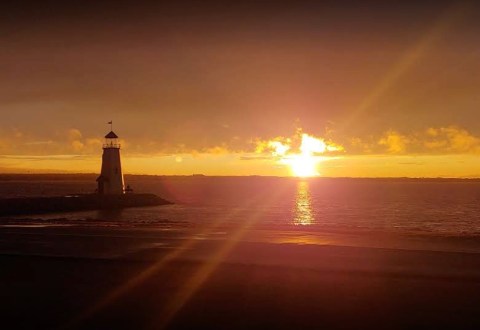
(110,122)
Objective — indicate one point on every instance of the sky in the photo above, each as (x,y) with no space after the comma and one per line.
(213,87)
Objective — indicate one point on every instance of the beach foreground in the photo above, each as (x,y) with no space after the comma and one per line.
(126,279)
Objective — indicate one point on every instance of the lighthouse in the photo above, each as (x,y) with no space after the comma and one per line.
(110,181)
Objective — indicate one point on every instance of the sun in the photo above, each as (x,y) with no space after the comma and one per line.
(303,166)
(303,160)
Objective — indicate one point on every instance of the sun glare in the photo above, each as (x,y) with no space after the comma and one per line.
(302,153)
(303,166)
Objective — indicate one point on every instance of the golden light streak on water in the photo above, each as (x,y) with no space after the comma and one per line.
(303,214)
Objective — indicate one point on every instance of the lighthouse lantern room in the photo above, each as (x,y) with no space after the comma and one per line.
(110,181)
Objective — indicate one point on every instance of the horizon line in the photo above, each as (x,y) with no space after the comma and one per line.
(248,176)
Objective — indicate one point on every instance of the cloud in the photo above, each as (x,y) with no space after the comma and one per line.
(32,143)
(394,141)
(451,139)
(94,142)
(255,157)
(217,150)
(74,134)
(433,140)
(361,146)
(299,143)
(443,140)
(77,145)
(43,157)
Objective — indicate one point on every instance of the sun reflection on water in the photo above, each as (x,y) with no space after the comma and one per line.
(303,214)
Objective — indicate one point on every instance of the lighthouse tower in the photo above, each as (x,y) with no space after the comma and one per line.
(110,181)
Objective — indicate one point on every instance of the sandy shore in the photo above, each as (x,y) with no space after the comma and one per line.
(54,278)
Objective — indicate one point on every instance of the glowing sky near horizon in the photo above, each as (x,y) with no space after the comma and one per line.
(206,89)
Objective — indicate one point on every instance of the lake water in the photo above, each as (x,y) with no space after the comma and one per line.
(432,207)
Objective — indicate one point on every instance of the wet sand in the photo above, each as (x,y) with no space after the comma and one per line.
(107,279)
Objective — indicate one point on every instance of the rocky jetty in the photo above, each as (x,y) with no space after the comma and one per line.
(38,205)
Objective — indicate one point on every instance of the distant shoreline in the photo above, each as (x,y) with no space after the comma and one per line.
(84,176)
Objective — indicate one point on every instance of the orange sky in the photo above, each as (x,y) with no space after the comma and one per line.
(198,89)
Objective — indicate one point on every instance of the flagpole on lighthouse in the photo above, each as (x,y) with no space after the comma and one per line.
(111,125)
